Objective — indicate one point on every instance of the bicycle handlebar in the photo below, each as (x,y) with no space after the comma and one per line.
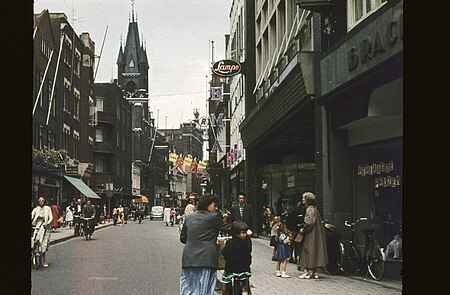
(346,223)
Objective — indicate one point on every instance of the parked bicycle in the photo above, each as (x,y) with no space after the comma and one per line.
(36,249)
(372,259)
(334,249)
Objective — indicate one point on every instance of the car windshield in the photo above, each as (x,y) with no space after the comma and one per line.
(157,209)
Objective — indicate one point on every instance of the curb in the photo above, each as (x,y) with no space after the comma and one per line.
(52,242)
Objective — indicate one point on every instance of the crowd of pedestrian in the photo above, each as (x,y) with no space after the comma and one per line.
(296,235)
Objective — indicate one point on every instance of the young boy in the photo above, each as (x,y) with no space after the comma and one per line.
(238,255)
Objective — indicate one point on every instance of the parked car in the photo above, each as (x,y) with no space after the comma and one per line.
(156,212)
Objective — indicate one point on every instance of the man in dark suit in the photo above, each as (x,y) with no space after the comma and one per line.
(243,211)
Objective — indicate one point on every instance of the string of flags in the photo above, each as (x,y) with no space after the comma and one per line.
(188,164)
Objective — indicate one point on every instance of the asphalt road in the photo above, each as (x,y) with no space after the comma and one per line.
(131,259)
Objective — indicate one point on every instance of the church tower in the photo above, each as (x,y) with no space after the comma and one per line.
(132,65)
(132,61)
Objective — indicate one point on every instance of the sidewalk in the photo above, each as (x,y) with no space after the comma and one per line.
(63,233)
(265,282)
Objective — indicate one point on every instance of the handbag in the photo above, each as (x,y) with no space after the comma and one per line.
(273,241)
(299,237)
(60,220)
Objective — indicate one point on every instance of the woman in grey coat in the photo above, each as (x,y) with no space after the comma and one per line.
(200,253)
(314,251)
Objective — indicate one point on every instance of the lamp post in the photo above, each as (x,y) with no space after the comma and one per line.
(109,192)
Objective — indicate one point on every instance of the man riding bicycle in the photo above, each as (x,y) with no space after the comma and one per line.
(77,209)
(89,212)
(139,211)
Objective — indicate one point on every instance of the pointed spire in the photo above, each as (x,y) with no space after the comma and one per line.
(120,58)
(132,10)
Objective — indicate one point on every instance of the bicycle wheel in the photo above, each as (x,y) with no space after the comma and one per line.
(241,287)
(36,257)
(335,254)
(350,259)
(375,261)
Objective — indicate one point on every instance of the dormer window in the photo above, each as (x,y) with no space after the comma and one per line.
(131,63)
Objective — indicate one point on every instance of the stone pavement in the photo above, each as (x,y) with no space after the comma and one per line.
(265,282)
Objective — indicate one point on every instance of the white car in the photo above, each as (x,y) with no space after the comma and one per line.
(157,212)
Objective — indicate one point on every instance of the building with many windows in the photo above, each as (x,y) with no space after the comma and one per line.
(278,132)
(112,147)
(63,104)
(241,48)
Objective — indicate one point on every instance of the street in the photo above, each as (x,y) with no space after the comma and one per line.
(131,259)
(146,259)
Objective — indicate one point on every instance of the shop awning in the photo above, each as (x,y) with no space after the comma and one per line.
(82,187)
(141,199)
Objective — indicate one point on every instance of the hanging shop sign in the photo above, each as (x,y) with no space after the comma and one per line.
(235,155)
(216,147)
(217,93)
(217,122)
(203,122)
(226,68)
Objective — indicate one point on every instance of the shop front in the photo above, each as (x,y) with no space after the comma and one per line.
(279,138)
(362,95)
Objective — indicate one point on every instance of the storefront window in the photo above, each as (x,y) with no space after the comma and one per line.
(378,190)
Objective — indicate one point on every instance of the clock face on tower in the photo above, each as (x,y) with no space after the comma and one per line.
(131,87)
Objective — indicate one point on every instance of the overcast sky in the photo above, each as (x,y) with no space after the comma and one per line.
(177,35)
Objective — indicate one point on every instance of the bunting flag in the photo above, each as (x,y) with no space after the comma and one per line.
(201,169)
(188,164)
(173,157)
(188,160)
